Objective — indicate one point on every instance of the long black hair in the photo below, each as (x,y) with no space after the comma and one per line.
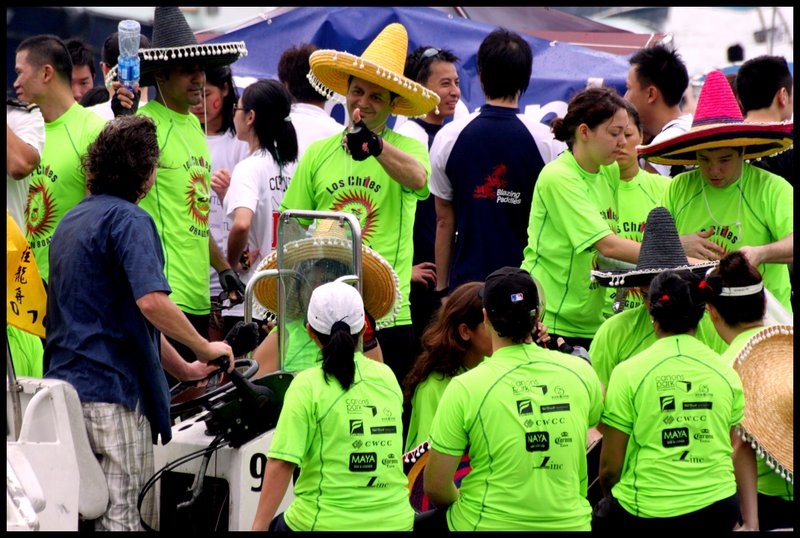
(219,77)
(338,353)
(272,103)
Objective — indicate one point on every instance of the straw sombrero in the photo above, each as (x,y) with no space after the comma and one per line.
(718,123)
(766,367)
(380,283)
(661,251)
(382,63)
(174,43)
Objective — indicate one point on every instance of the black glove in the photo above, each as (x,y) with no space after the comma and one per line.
(230,281)
(243,337)
(363,143)
(119,110)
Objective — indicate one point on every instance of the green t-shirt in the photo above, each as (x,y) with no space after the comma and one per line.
(423,407)
(328,179)
(27,352)
(58,183)
(571,210)
(635,199)
(769,482)
(522,414)
(349,446)
(765,210)
(677,400)
(179,205)
(302,352)
(624,335)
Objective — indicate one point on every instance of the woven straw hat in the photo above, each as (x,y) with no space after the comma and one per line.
(766,366)
(174,43)
(380,283)
(382,63)
(661,251)
(718,123)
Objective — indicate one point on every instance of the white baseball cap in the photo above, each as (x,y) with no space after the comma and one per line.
(335,301)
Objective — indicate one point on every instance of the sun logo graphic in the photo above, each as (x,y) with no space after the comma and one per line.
(492,182)
(362,207)
(197,198)
(40,213)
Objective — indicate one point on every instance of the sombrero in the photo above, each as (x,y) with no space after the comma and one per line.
(661,251)
(382,63)
(718,123)
(380,283)
(766,367)
(174,43)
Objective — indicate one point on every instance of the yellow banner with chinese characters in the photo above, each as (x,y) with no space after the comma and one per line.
(25,295)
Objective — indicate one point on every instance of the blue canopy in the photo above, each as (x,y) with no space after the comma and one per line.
(559,70)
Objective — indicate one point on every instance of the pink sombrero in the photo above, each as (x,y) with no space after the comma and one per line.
(718,123)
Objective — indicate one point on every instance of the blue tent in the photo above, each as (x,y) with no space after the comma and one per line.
(559,69)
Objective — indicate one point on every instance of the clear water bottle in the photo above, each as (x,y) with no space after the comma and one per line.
(128,61)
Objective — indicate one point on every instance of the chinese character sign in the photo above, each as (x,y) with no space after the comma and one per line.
(25,296)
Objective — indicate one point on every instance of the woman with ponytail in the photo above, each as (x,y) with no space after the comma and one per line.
(341,424)
(668,425)
(736,304)
(259,182)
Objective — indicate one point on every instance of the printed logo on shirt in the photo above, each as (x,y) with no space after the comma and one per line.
(668,403)
(696,405)
(610,215)
(378,430)
(380,442)
(493,188)
(279,183)
(390,461)
(40,214)
(675,437)
(363,462)
(669,382)
(528,387)
(357,406)
(722,235)
(374,483)
(198,201)
(363,207)
(687,458)
(357,427)
(563,440)
(669,419)
(554,408)
(547,465)
(704,435)
(537,441)
(524,407)
(703,391)
(358,443)
(559,393)
(633,230)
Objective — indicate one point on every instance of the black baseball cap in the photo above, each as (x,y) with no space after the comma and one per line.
(509,289)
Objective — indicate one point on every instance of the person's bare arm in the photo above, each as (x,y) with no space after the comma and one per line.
(619,248)
(443,246)
(402,167)
(781,251)
(237,237)
(744,468)
(165,315)
(697,245)
(276,481)
(437,479)
(179,368)
(21,157)
(612,457)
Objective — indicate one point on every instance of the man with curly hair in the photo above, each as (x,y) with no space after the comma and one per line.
(107,305)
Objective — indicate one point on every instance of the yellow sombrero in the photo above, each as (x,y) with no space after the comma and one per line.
(718,123)
(766,367)
(380,283)
(382,63)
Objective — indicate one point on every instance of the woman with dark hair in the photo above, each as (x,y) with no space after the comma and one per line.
(454,342)
(574,214)
(340,423)
(522,416)
(215,113)
(668,425)
(259,182)
(736,304)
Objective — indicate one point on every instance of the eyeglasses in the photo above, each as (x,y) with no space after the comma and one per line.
(235,108)
(431,52)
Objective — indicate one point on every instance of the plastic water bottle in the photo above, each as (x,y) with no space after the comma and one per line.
(128,61)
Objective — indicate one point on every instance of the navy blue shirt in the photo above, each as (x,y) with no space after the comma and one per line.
(425,218)
(486,165)
(105,255)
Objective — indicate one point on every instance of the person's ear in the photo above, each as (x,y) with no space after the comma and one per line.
(48,72)
(583,132)
(463,332)
(652,94)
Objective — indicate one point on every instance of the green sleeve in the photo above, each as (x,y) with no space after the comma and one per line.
(416,149)
(619,410)
(448,432)
(300,194)
(294,430)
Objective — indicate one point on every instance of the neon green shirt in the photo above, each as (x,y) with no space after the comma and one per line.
(349,446)
(769,482)
(677,400)
(630,332)
(27,352)
(571,210)
(179,204)
(635,199)
(328,179)
(765,210)
(302,352)
(58,183)
(423,407)
(522,414)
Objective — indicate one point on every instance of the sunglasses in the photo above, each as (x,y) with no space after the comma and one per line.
(431,52)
